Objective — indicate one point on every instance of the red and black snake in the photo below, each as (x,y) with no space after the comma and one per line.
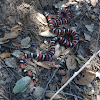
(52,27)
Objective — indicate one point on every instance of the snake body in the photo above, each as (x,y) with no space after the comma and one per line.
(52,27)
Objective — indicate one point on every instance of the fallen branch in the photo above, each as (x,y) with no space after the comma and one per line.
(75,74)
(64,94)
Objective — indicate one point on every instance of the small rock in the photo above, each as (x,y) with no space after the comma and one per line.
(11,62)
(90,27)
(17,53)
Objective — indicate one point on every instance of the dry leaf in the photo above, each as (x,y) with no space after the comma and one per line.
(11,35)
(85,96)
(53,86)
(87,37)
(21,85)
(88,89)
(46,64)
(41,18)
(38,92)
(25,42)
(85,78)
(71,62)
(98,97)
(64,3)
(57,51)
(30,66)
(90,27)
(80,60)
(16,43)
(11,62)
(62,72)
(5,55)
(64,79)
(58,96)
(47,33)
(16,28)
(93,2)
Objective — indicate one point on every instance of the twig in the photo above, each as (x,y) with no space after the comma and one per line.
(97,42)
(10,46)
(75,74)
(65,94)
(4,97)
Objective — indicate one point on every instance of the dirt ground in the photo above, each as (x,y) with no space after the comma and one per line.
(85,21)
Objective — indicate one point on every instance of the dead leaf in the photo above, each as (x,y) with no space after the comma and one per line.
(53,86)
(16,43)
(12,34)
(5,55)
(86,77)
(85,96)
(62,72)
(11,62)
(93,2)
(64,3)
(17,53)
(58,96)
(41,18)
(84,51)
(80,60)
(87,37)
(88,89)
(71,62)
(57,51)
(47,33)
(38,92)
(30,66)
(46,64)
(16,28)
(64,79)
(25,42)
(98,97)
(7,36)
(90,27)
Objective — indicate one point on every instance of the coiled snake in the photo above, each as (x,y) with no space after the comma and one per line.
(52,27)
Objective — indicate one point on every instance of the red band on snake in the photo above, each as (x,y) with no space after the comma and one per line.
(52,26)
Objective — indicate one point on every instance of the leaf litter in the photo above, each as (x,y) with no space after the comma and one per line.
(73,59)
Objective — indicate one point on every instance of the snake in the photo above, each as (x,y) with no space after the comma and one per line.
(53,24)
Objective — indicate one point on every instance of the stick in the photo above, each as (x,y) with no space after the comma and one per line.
(64,93)
(75,74)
